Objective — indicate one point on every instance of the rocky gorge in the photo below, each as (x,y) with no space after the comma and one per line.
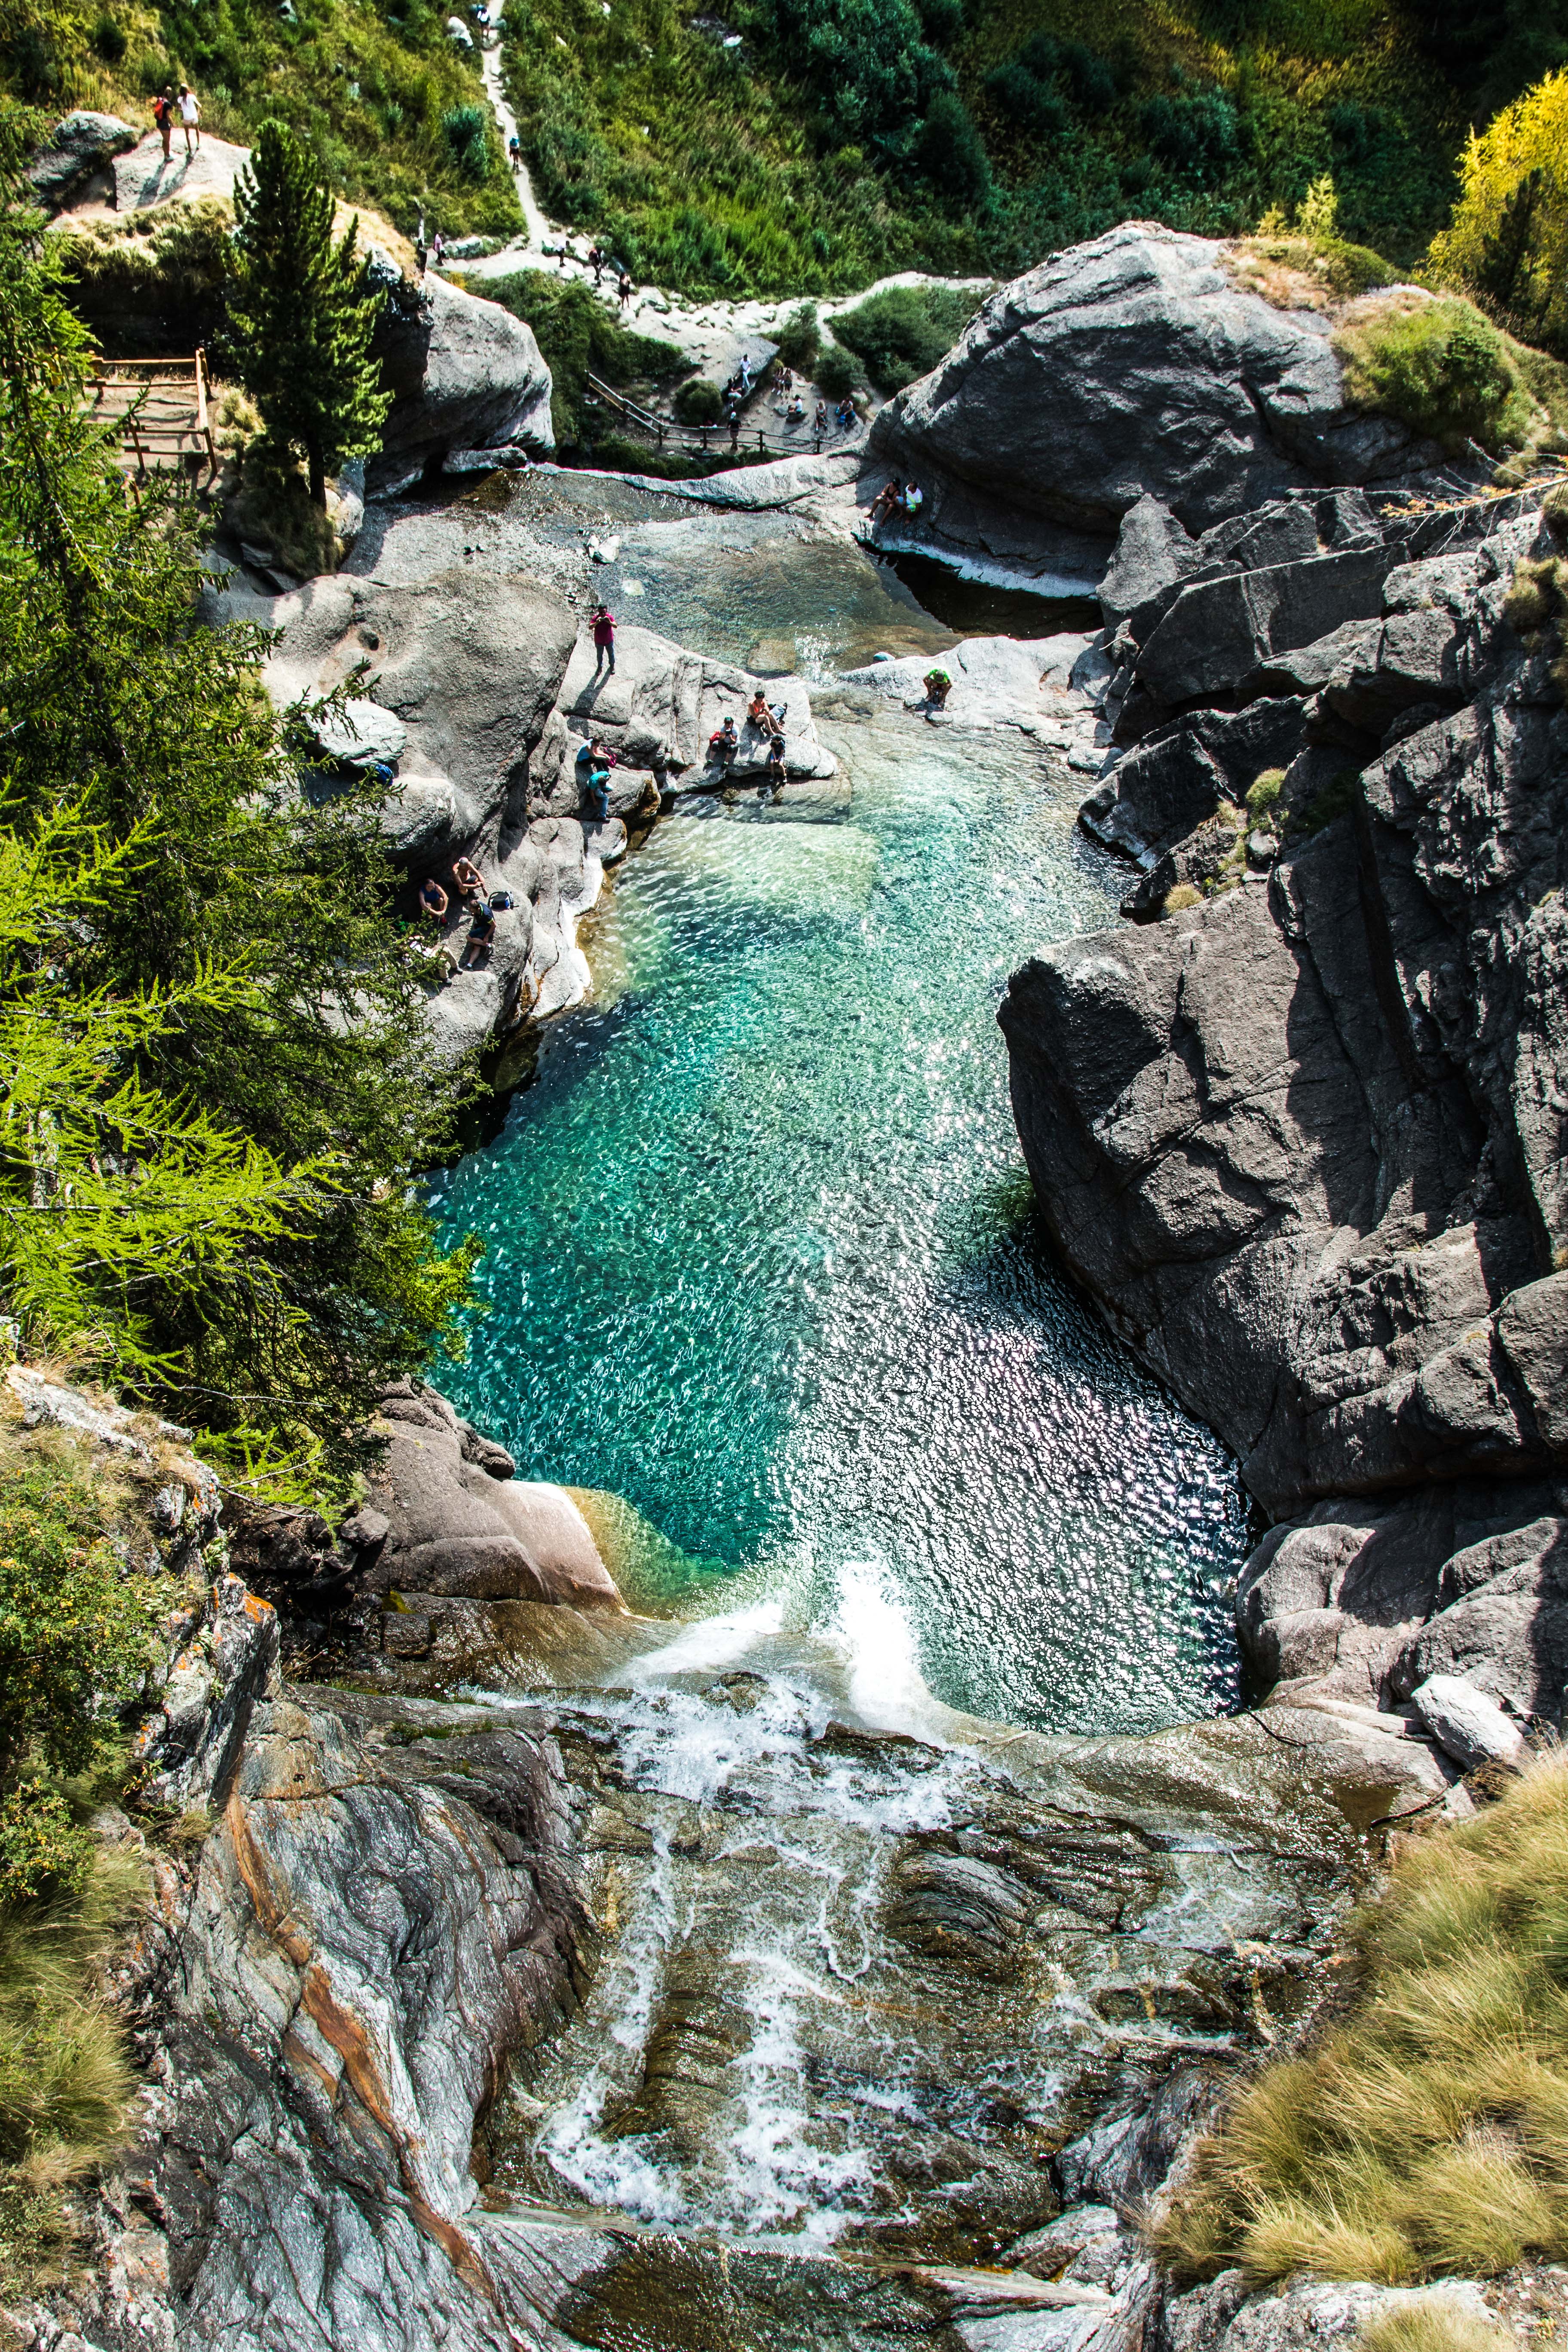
(552,1971)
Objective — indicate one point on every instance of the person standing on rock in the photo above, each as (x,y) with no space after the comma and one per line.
(625,288)
(732,417)
(163,117)
(190,118)
(603,621)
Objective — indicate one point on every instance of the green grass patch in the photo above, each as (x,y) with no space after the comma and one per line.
(908,331)
(1428,2133)
(1442,369)
(65,2079)
(579,336)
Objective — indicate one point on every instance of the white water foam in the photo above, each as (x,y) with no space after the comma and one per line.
(873,1631)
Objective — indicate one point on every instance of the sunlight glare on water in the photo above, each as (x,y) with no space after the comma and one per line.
(761,1256)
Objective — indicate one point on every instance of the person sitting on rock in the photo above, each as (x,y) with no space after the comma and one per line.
(482,935)
(796,413)
(759,716)
(471,882)
(845,415)
(594,753)
(433,899)
(938,687)
(774,773)
(887,500)
(914,498)
(723,744)
(819,422)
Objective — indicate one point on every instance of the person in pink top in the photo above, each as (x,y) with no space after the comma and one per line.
(603,621)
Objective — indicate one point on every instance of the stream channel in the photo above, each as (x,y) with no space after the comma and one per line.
(762,1260)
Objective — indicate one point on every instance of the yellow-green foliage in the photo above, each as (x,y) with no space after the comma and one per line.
(1442,369)
(1263,795)
(1433,2323)
(1508,240)
(1537,599)
(1184,894)
(65,2084)
(1429,2132)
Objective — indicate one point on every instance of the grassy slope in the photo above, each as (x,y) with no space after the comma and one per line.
(369,82)
(1428,2132)
(712,172)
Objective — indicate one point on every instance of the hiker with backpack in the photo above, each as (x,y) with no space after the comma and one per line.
(163,117)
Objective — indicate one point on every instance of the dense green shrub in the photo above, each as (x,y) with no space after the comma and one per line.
(76,1623)
(905,332)
(43,1850)
(950,152)
(466,129)
(800,339)
(1440,368)
(698,402)
(837,373)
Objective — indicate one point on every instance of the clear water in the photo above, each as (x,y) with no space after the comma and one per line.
(762,1256)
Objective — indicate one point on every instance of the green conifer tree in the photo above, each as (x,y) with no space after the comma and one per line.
(302,314)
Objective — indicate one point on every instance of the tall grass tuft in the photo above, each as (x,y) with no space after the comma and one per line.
(1429,2133)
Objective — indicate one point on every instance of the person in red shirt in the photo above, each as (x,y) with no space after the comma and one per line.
(603,621)
(163,117)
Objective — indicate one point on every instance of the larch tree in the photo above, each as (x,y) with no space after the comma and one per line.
(302,314)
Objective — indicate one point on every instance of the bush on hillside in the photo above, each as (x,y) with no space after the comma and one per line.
(698,402)
(1507,240)
(1429,2132)
(77,1625)
(837,373)
(1442,369)
(951,152)
(905,331)
(800,339)
(466,129)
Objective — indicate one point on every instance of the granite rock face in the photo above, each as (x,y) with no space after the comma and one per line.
(464,375)
(461,1526)
(1305,1139)
(75,151)
(1132,366)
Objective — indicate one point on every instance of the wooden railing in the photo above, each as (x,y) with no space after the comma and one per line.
(709,438)
(159,411)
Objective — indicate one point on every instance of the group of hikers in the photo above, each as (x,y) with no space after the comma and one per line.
(789,402)
(767,719)
(185,109)
(469,885)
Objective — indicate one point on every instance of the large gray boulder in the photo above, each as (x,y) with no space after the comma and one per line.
(461,1526)
(464,375)
(75,151)
(466,665)
(1131,365)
